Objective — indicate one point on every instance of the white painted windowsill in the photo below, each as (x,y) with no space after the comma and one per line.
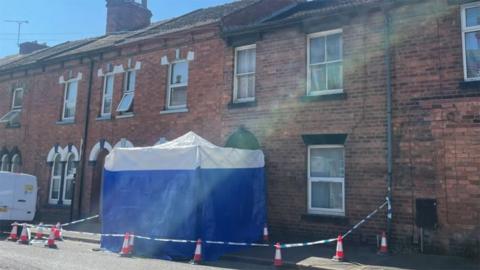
(128,115)
(181,110)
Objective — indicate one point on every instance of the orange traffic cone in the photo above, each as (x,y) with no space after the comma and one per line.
(130,243)
(339,256)
(13,234)
(265,233)
(58,232)
(24,239)
(277,260)
(197,257)
(51,239)
(39,234)
(383,245)
(125,251)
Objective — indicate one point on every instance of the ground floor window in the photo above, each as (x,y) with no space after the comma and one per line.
(55,180)
(15,166)
(61,182)
(70,168)
(5,166)
(326,179)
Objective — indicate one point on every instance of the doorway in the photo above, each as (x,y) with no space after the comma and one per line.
(97,180)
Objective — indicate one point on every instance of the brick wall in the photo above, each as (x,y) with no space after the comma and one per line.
(280,119)
(435,129)
(39,130)
(432,158)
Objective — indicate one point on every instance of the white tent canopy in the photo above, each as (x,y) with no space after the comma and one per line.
(187,152)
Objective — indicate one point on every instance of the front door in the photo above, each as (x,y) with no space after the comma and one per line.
(95,199)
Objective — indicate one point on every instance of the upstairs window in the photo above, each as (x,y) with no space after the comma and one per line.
(471,41)
(325,63)
(13,116)
(126,104)
(70,101)
(107,95)
(177,85)
(244,81)
(326,179)
(17,102)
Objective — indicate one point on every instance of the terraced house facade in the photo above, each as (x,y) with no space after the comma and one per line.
(351,101)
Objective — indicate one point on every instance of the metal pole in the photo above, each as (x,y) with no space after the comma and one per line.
(19,22)
(85,136)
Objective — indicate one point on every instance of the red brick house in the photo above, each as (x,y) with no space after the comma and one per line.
(307,82)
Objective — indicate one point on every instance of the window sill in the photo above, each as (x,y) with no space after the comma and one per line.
(244,104)
(325,97)
(126,115)
(468,85)
(336,220)
(169,111)
(104,118)
(12,125)
(57,206)
(66,122)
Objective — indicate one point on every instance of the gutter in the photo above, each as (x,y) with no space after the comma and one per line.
(388,81)
(85,136)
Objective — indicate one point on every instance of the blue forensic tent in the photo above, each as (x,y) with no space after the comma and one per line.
(184,189)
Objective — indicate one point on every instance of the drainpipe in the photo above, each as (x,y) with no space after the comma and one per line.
(388,74)
(85,137)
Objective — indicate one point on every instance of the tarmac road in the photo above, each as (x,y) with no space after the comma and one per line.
(73,255)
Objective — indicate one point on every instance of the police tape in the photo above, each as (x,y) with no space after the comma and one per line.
(291,245)
(364,220)
(170,240)
(50,225)
(79,221)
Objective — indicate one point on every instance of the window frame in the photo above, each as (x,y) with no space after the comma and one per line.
(67,84)
(50,199)
(14,165)
(67,177)
(465,30)
(318,210)
(170,86)
(127,91)
(14,94)
(5,159)
(309,92)
(105,79)
(236,75)
(14,110)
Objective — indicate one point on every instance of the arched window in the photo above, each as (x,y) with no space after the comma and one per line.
(5,163)
(69,177)
(55,180)
(243,139)
(15,166)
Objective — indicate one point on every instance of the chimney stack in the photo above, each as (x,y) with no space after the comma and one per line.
(127,15)
(31,46)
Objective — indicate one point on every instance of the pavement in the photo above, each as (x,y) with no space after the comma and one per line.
(74,255)
(319,257)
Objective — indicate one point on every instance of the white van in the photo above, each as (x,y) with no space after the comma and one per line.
(18,197)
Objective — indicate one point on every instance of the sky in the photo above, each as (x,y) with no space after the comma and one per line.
(57,21)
